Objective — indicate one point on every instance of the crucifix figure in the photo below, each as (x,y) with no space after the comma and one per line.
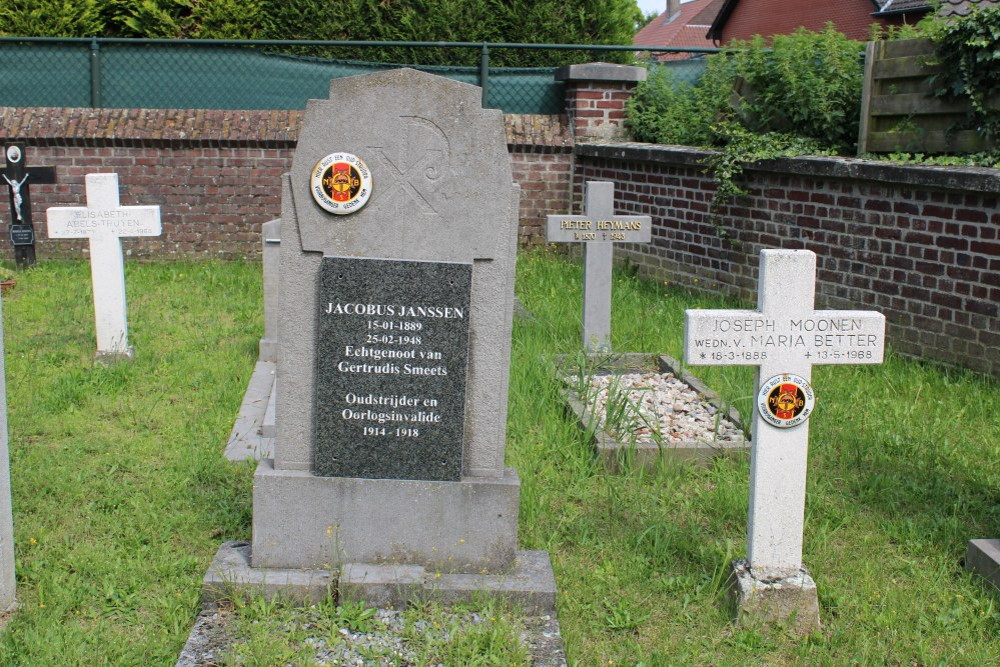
(104,222)
(784,338)
(15,193)
(22,233)
(598,229)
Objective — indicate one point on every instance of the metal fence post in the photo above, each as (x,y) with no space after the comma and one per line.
(484,72)
(95,73)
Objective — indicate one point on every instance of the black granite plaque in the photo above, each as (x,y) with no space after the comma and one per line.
(390,368)
(22,235)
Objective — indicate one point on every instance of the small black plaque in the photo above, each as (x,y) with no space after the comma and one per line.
(22,234)
(391,368)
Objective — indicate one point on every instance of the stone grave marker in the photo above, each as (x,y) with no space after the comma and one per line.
(8,586)
(252,434)
(598,230)
(395,298)
(784,338)
(104,222)
(983,558)
(19,178)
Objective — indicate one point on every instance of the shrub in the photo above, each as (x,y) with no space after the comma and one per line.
(808,84)
(597,22)
(54,18)
(816,96)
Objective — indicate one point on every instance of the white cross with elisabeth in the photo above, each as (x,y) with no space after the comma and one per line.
(784,336)
(597,230)
(104,221)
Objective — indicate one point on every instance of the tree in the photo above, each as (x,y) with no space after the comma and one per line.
(591,22)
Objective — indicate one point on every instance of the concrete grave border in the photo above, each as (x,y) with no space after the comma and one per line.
(615,454)
(530,585)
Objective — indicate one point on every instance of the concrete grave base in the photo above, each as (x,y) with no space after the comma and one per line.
(304,521)
(530,585)
(252,436)
(530,588)
(7,614)
(615,453)
(983,558)
(230,574)
(106,358)
(791,600)
(267,349)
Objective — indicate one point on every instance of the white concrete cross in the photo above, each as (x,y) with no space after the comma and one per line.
(598,229)
(104,222)
(784,338)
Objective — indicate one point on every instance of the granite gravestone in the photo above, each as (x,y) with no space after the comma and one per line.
(784,338)
(104,222)
(395,299)
(598,229)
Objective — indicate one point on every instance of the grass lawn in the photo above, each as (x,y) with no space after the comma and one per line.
(122,496)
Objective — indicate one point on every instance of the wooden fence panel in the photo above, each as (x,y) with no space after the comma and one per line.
(898,111)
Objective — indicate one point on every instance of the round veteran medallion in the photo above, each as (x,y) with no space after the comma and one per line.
(786,400)
(341,183)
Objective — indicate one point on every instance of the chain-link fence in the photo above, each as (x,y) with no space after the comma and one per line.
(199,74)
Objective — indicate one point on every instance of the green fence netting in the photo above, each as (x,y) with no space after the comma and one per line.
(116,74)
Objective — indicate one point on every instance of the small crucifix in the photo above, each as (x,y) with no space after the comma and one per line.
(598,230)
(18,178)
(784,338)
(104,221)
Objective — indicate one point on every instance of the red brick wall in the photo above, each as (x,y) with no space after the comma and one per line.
(780,17)
(918,244)
(216,174)
(597,108)
(213,200)
(545,189)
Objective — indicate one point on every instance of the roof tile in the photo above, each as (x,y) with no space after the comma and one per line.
(687,29)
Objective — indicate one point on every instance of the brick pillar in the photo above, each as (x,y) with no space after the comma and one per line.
(595,98)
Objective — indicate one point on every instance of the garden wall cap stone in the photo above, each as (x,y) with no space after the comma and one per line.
(601,72)
(976,179)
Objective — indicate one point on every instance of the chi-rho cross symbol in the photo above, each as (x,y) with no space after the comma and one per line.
(598,230)
(784,338)
(104,222)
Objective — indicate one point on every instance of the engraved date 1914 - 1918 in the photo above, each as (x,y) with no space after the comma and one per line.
(401,432)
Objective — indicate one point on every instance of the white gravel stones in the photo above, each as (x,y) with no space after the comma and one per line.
(656,408)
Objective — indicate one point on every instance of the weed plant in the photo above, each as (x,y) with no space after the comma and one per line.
(122,496)
(480,634)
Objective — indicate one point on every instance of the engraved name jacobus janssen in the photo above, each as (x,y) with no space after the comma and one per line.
(393,310)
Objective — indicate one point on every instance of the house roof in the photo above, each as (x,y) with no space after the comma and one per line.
(947,8)
(715,28)
(686,29)
(883,8)
(963,7)
(894,7)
